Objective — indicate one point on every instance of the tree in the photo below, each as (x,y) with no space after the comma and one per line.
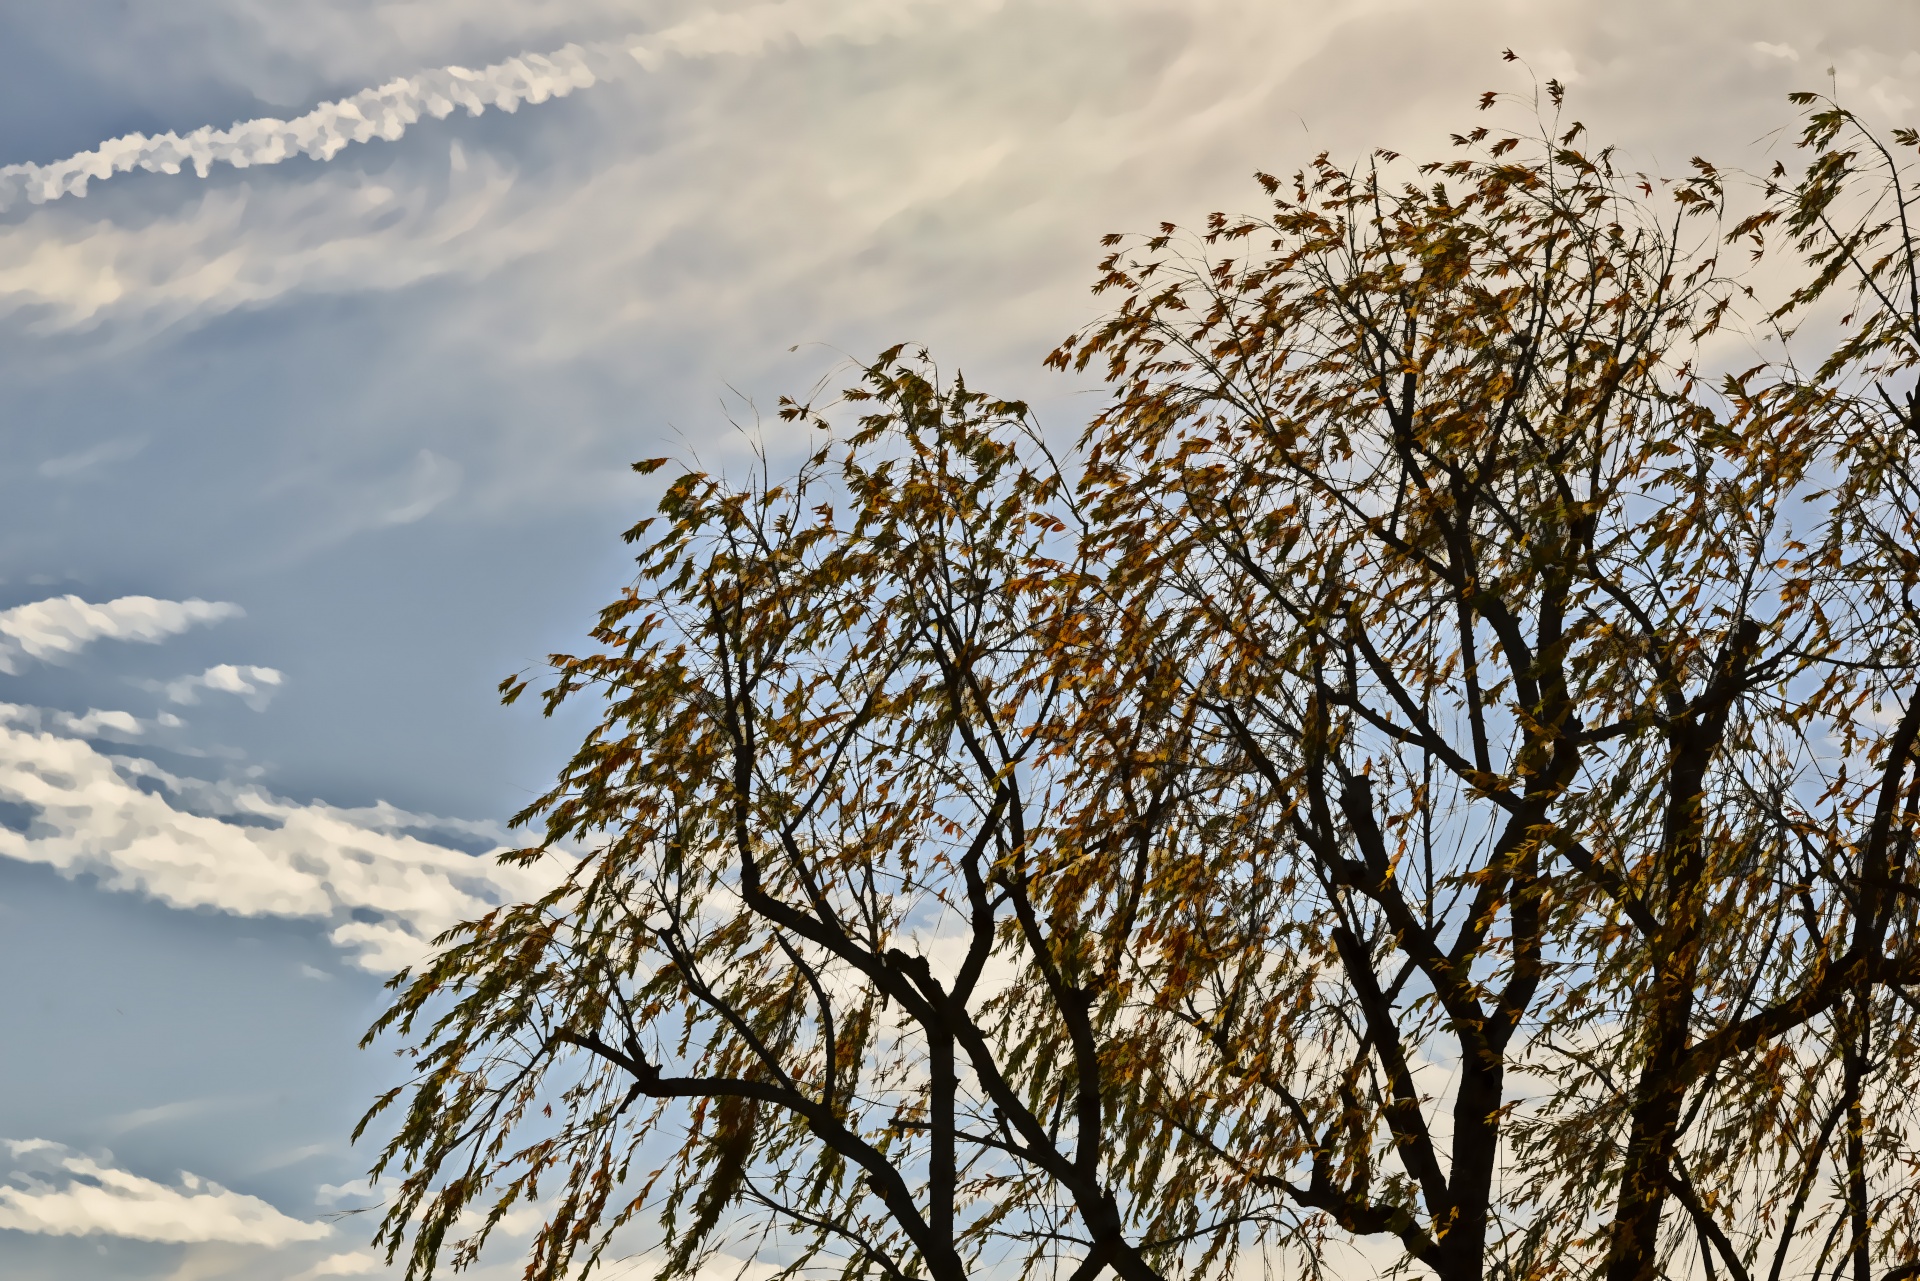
(1437,765)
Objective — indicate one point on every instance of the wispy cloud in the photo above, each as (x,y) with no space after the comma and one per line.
(232,248)
(111,451)
(162,1114)
(55,1191)
(429,482)
(65,625)
(235,848)
(358,1263)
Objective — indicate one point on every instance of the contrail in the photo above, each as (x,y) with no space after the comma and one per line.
(385,112)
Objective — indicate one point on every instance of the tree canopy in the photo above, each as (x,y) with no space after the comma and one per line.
(1436,766)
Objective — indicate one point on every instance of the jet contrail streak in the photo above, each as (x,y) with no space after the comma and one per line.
(388,111)
(385,112)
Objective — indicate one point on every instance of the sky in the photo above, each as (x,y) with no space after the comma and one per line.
(327,331)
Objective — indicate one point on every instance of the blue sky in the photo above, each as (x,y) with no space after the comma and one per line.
(299,457)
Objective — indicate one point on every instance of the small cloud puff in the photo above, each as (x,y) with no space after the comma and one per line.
(64,625)
(99,724)
(57,1192)
(256,685)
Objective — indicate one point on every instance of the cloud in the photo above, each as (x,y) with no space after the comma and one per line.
(359,1263)
(162,1114)
(112,451)
(320,134)
(335,1193)
(234,848)
(294,1156)
(99,724)
(65,625)
(429,482)
(387,111)
(237,246)
(1099,116)
(245,243)
(257,685)
(61,1193)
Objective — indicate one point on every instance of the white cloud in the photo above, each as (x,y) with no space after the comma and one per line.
(65,625)
(257,685)
(61,1193)
(335,1193)
(756,29)
(99,724)
(234,848)
(519,1221)
(359,1263)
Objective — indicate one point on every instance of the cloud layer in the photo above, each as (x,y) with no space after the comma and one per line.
(65,625)
(58,1192)
(237,849)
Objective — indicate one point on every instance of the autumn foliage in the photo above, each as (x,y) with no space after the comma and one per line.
(1436,766)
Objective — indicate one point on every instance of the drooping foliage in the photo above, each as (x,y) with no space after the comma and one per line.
(1437,765)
